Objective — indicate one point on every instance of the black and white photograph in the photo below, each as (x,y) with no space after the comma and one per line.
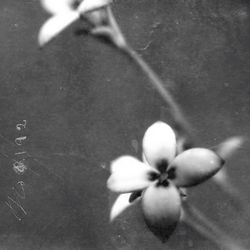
(125,125)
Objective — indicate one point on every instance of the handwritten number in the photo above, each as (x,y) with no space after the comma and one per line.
(11,203)
(20,140)
(20,153)
(18,190)
(19,167)
(19,126)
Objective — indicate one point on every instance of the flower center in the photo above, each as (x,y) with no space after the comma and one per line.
(165,173)
(163,180)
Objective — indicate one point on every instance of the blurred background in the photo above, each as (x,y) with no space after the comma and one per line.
(86,104)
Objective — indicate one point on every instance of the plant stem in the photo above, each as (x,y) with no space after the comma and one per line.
(198,221)
(112,32)
(157,83)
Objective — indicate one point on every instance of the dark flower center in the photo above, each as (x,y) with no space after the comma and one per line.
(163,180)
(171,173)
(165,173)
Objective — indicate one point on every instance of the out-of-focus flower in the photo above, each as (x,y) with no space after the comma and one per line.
(64,13)
(158,181)
(225,150)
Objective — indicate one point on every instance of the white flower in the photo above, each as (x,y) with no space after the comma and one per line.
(64,13)
(159,179)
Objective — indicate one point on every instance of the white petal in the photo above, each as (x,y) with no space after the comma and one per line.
(121,204)
(53,26)
(159,144)
(194,166)
(161,209)
(90,5)
(227,148)
(57,6)
(129,174)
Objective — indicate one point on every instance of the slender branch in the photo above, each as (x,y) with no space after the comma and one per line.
(198,221)
(113,33)
(118,39)
(179,118)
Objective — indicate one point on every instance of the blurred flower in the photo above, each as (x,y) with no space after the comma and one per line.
(225,150)
(159,179)
(64,13)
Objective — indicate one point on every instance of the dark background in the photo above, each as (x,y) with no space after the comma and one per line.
(86,104)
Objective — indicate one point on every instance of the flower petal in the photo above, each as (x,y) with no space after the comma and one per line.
(57,6)
(91,5)
(53,26)
(129,174)
(225,150)
(159,145)
(121,204)
(194,166)
(228,147)
(161,206)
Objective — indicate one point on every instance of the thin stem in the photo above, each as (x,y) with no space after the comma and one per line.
(197,220)
(118,39)
(157,83)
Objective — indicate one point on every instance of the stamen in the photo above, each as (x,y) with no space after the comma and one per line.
(163,180)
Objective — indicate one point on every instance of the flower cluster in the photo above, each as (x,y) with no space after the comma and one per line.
(159,179)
